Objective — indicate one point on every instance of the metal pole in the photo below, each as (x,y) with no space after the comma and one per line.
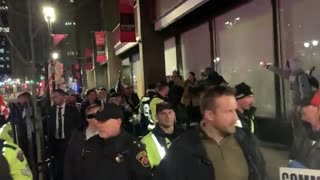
(50,51)
(37,117)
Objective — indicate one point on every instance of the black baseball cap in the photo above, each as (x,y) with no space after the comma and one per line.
(162,106)
(109,111)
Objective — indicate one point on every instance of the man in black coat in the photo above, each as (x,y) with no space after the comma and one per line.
(216,150)
(79,140)
(61,120)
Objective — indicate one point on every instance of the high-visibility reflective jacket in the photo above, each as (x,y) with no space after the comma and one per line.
(13,163)
(247,120)
(6,132)
(155,150)
(153,107)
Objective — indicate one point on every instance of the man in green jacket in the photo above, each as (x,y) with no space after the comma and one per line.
(162,95)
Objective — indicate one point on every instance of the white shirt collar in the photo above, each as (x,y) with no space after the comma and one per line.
(63,105)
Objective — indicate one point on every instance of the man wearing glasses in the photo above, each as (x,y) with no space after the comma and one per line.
(77,143)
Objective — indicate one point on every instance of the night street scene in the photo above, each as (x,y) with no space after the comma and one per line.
(159,90)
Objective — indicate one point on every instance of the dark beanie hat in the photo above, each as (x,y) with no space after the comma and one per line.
(243,90)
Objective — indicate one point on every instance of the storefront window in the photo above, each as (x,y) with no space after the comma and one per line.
(137,75)
(244,37)
(300,36)
(170,55)
(195,45)
(126,72)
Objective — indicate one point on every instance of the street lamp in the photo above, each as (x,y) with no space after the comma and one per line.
(55,55)
(49,14)
(50,17)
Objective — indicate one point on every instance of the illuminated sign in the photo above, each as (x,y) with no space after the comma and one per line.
(299,174)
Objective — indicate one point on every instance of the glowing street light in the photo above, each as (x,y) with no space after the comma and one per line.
(55,55)
(49,14)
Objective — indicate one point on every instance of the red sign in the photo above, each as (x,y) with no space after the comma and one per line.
(125,31)
(88,60)
(100,47)
(100,38)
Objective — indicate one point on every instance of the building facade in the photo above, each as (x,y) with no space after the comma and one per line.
(5,57)
(232,36)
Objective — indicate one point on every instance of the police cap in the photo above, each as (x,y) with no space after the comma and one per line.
(163,106)
(109,111)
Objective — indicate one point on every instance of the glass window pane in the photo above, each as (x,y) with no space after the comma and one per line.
(300,36)
(170,55)
(244,38)
(195,45)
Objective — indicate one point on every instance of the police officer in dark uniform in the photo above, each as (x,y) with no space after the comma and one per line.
(114,154)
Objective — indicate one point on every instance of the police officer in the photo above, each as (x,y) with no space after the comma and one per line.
(245,110)
(162,95)
(113,153)
(159,139)
(6,132)
(13,164)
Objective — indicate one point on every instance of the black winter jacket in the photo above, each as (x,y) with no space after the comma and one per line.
(187,159)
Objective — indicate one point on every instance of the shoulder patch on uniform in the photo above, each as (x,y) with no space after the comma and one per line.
(142,157)
(20,156)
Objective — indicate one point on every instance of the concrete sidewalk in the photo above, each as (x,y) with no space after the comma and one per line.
(275,157)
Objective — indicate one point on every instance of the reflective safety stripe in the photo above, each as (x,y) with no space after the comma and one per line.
(161,149)
(151,126)
(252,124)
(238,124)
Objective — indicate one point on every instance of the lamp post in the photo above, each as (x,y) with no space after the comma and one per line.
(50,17)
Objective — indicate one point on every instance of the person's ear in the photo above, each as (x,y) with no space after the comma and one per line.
(208,115)
(119,122)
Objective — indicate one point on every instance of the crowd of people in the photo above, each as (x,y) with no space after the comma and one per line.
(192,129)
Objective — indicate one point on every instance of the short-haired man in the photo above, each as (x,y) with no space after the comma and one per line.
(78,140)
(216,150)
(159,139)
(61,120)
(91,98)
(102,96)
